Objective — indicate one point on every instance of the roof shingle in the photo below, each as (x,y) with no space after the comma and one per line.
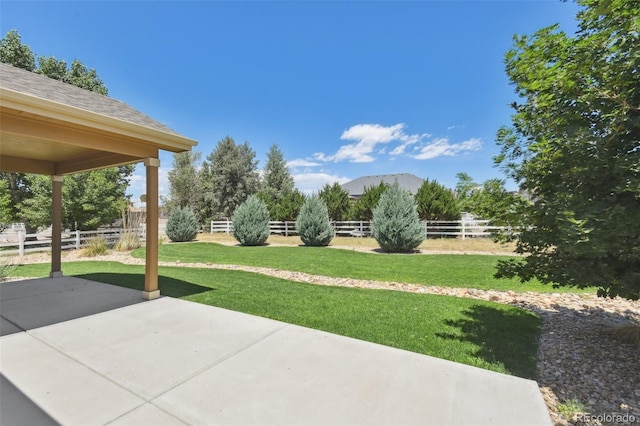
(38,85)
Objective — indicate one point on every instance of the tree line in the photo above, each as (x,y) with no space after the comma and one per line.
(215,187)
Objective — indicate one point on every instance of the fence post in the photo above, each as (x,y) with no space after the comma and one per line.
(463,233)
(228,226)
(286,228)
(361,229)
(426,232)
(77,239)
(211,227)
(21,243)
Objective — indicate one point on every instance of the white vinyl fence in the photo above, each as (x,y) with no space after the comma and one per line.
(21,243)
(432,229)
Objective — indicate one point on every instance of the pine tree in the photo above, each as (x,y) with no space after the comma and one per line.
(363,208)
(251,222)
(313,224)
(229,177)
(184,181)
(435,202)
(337,201)
(396,225)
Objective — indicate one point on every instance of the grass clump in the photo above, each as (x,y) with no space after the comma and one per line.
(6,268)
(96,246)
(129,240)
(570,408)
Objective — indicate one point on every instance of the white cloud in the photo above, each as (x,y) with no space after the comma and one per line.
(301,162)
(367,137)
(308,183)
(456,126)
(442,147)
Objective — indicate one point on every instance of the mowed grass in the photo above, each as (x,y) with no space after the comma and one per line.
(483,334)
(447,270)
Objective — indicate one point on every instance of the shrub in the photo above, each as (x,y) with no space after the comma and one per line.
(396,225)
(313,224)
(129,240)
(96,246)
(251,222)
(182,225)
(6,268)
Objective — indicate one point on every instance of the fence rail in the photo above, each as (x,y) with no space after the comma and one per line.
(457,228)
(21,243)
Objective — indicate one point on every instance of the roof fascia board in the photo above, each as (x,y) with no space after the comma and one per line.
(58,111)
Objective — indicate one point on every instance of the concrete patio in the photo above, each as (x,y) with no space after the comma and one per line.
(77,352)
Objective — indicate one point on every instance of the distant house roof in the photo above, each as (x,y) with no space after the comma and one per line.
(356,187)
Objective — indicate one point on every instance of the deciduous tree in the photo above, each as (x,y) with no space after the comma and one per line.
(574,146)
(89,199)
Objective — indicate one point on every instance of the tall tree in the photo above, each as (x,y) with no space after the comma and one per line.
(336,198)
(277,182)
(230,176)
(574,147)
(490,201)
(184,181)
(277,177)
(89,199)
(435,202)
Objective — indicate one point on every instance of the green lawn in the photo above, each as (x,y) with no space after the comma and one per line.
(457,270)
(484,334)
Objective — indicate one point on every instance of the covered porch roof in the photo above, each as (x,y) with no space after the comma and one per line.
(53,128)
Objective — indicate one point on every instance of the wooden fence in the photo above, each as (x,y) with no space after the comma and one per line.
(432,229)
(21,243)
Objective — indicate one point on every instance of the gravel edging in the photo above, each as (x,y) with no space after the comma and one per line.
(580,356)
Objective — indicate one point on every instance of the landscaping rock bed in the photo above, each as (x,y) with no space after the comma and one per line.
(581,357)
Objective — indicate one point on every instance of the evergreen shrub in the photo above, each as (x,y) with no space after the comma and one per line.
(182,225)
(313,223)
(396,225)
(251,222)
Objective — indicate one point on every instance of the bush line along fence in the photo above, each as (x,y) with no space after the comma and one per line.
(457,228)
(21,243)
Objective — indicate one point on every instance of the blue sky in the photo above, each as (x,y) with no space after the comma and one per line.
(345,89)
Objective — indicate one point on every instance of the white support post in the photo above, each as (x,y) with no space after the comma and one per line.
(21,243)
(463,230)
(77,239)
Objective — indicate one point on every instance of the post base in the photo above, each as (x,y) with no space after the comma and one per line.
(150,295)
(56,274)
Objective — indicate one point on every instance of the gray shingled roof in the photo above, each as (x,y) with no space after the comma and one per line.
(356,187)
(38,85)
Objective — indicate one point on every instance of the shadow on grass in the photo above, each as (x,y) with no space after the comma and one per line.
(506,336)
(168,286)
